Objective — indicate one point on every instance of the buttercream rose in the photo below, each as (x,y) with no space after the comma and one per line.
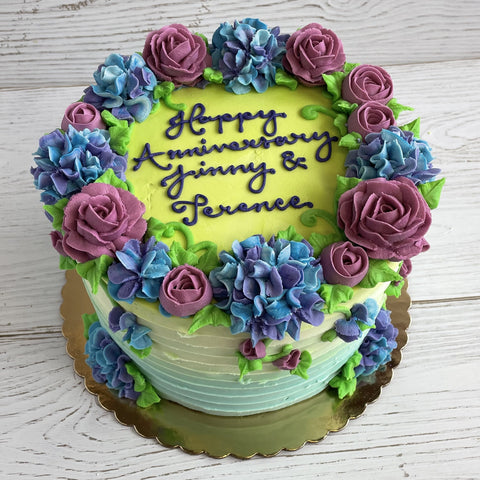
(175,55)
(367,82)
(289,362)
(82,115)
(344,263)
(100,220)
(184,291)
(388,218)
(251,352)
(311,52)
(370,117)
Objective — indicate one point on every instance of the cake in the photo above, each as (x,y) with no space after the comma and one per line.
(238,209)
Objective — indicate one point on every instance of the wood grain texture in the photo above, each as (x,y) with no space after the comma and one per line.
(426,423)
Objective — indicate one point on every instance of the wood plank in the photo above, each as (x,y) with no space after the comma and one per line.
(65,41)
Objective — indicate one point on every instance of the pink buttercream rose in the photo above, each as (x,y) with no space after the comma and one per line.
(370,117)
(344,264)
(367,82)
(185,290)
(388,218)
(251,352)
(174,54)
(311,52)
(100,220)
(57,241)
(289,362)
(82,115)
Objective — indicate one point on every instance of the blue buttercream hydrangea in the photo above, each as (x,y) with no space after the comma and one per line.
(125,86)
(362,316)
(136,335)
(139,271)
(107,362)
(67,161)
(248,54)
(377,345)
(391,154)
(269,288)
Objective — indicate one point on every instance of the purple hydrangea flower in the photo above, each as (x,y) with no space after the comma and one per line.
(248,54)
(377,345)
(136,335)
(362,315)
(125,86)
(269,288)
(67,161)
(391,154)
(140,270)
(107,362)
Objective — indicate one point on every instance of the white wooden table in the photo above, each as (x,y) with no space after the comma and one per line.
(426,424)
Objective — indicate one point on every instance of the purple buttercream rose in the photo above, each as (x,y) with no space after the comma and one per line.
(184,291)
(370,117)
(251,352)
(100,220)
(82,115)
(367,83)
(57,240)
(388,218)
(311,52)
(344,263)
(175,55)
(289,362)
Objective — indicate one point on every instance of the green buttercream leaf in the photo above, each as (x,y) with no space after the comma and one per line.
(141,353)
(120,132)
(310,112)
(213,76)
(344,184)
(333,83)
(208,260)
(209,315)
(396,107)
(284,79)
(329,335)
(413,126)
(303,365)
(395,289)
(431,192)
(57,212)
(139,382)
(94,270)
(290,234)
(110,178)
(348,67)
(345,388)
(67,263)
(344,107)
(319,241)
(148,397)
(155,228)
(159,230)
(379,271)
(334,295)
(88,320)
(179,256)
(351,141)
(245,366)
(163,91)
(348,370)
(340,122)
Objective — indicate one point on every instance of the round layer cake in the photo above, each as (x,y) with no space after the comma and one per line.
(238,209)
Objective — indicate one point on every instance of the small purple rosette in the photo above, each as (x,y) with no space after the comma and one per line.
(176,55)
(82,115)
(370,117)
(185,290)
(251,352)
(367,83)
(388,218)
(289,362)
(344,264)
(311,52)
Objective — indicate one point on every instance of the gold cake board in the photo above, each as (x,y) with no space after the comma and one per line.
(195,432)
